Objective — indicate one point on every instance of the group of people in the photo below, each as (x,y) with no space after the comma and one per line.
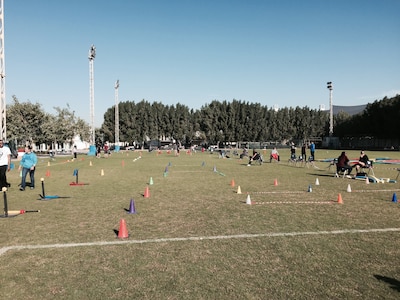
(343,163)
(274,155)
(303,151)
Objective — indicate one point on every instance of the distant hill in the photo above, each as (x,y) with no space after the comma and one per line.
(351,110)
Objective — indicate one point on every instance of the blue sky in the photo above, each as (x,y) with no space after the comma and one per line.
(273,52)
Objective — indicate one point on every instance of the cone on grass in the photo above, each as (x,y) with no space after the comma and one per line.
(48,164)
(248,200)
(239,191)
(309,189)
(151,181)
(123,163)
(232,182)
(215,169)
(203,164)
(132,209)
(123,231)
(90,163)
(146,192)
(339,199)
(349,188)
(394,198)
(275,182)
(102,172)
(48,173)
(316,181)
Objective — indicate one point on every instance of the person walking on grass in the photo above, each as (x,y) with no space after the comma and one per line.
(28,165)
(5,164)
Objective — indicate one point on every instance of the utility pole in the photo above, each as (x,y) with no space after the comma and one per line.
(92,55)
(116,117)
(330,88)
(3,132)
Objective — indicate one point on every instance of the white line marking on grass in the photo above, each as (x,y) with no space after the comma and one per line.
(367,191)
(278,192)
(197,238)
(295,202)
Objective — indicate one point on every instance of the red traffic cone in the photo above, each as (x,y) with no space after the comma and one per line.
(232,183)
(275,182)
(339,199)
(146,192)
(123,231)
(48,173)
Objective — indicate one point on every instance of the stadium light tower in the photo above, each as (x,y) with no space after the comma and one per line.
(92,55)
(330,88)
(116,117)
(2,77)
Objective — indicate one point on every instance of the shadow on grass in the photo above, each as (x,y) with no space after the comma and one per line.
(393,283)
(323,175)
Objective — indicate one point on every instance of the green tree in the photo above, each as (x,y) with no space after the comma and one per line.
(25,121)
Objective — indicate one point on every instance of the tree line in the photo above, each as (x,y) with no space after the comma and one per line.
(218,121)
(214,122)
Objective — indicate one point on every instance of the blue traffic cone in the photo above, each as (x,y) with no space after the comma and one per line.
(394,198)
(132,209)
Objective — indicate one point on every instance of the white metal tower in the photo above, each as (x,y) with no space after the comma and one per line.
(116,116)
(3,133)
(92,55)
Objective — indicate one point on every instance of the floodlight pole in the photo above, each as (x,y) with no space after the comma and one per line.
(2,77)
(330,88)
(92,55)
(116,86)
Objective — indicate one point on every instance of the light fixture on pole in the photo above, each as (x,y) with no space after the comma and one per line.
(330,88)
(116,117)
(92,55)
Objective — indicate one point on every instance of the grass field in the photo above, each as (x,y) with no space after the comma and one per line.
(195,237)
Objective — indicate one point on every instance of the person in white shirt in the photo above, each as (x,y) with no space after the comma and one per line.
(5,164)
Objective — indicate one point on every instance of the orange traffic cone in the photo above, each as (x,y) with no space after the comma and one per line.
(275,182)
(146,192)
(48,173)
(123,231)
(339,199)
(232,183)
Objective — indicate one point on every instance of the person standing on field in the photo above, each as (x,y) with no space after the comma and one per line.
(5,164)
(28,165)
(312,150)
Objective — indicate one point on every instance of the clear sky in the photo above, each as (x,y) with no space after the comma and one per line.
(274,52)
